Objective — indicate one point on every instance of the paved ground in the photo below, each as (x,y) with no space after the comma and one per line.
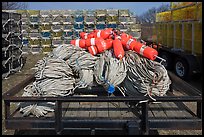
(31,61)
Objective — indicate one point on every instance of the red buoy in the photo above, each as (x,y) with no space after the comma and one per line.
(83,35)
(93,50)
(90,42)
(101,45)
(118,49)
(128,43)
(109,43)
(145,51)
(79,43)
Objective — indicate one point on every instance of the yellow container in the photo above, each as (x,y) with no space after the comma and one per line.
(199,11)
(188,37)
(188,13)
(170,35)
(198,38)
(178,35)
(180,4)
(163,16)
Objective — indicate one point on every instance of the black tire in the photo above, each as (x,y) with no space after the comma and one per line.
(181,68)
(169,61)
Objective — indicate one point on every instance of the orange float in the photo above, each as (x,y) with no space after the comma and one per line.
(79,43)
(145,51)
(93,50)
(118,49)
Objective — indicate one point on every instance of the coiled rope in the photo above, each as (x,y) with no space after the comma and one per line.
(69,67)
(144,76)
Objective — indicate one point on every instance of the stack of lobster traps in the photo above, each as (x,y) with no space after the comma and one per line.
(43,30)
(12,60)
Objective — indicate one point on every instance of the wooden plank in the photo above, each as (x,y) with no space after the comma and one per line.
(93,110)
(157,110)
(126,111)
(65,106)
(84,109)
(71,111)
(102,109)
(114,110)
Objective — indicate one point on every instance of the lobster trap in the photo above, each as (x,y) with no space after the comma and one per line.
(124,13)
(100,26)
(56,42)
(35,50)
(45,35)
(68,34)
(89,20)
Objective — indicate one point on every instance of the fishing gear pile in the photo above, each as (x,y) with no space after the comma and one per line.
(103,57)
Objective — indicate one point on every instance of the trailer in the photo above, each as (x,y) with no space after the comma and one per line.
(177,34)
(95,112)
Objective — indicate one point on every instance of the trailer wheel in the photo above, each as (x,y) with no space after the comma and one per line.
(181,68)
(168,64)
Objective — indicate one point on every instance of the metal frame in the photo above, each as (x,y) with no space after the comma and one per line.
(140,125)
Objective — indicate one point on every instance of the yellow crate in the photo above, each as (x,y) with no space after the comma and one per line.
(163,16)
(178,35)
(188,37)
(198,38)
(170,35)
(188,13)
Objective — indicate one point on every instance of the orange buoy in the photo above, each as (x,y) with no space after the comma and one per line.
(90,42)
(118,49)
(90,35)
(109,43)
(83,35)
(145,51)
(101,45)
(128,43)
(79,43)
(93,50)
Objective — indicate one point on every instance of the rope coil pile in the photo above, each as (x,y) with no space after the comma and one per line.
(69,67)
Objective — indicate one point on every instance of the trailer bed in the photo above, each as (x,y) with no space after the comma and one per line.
(90,111)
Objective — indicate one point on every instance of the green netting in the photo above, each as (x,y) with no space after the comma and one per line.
(57,34)
(45,27)
(46,42)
